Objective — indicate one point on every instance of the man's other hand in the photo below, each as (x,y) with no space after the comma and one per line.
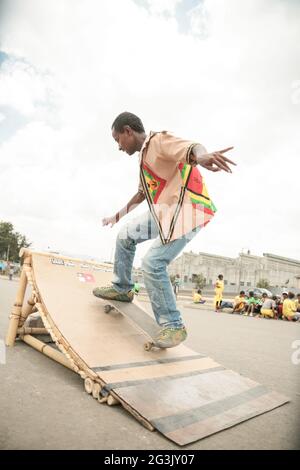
(109,221)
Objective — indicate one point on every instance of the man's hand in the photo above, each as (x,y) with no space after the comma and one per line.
(216,161)
(109,220)
(132,204)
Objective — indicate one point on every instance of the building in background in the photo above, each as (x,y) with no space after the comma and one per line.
(239,273)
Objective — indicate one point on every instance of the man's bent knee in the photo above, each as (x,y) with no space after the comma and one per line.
(152,265)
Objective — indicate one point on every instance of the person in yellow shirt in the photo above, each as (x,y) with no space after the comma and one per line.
(219,287)
(197,297)
(289,308)
(239,303)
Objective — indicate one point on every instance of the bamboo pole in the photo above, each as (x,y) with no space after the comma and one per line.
(112,401)
(102,399)
(16,310)
(24,253)
(47,350)
(27,330)
(96,390)
(26,310)
(88,385)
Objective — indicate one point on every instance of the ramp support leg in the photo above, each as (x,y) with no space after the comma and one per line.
(29,330)
(48,351)
(16,311)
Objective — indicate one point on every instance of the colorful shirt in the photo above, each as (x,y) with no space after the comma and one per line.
(252,300)
(173,186)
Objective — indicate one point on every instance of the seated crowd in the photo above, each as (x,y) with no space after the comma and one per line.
(284,307)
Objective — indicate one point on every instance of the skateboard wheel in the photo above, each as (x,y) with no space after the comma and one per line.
(148,346)
(107,308)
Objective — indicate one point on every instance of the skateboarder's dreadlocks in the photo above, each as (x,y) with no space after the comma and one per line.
(179,206)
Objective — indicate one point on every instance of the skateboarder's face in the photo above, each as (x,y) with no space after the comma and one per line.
(126,140)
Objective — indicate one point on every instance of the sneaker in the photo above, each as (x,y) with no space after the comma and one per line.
(170,337)
(110,293)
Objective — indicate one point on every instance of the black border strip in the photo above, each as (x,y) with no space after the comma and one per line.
(133,383)
(148,363)
(170,423)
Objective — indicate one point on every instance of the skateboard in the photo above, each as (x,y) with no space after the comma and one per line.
(138,317)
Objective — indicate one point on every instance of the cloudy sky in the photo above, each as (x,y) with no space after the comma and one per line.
(221,72)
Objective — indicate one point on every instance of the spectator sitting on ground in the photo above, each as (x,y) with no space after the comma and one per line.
(289,308)
(251,303)
(257,306)
(239,303)
(262,300)
(197,297)
(268,308)
(226,304)
(284,296)
(297,303)
(277,302)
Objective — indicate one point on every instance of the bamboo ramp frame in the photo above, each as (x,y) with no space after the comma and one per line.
(183,394)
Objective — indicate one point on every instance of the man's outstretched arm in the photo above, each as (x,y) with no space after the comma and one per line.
(132,204)
(214,161)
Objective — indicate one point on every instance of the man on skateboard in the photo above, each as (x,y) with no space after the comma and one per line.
(179,206)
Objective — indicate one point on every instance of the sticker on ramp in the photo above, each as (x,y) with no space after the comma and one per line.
(69,263)
(85,277)
(57,261)
(104,270)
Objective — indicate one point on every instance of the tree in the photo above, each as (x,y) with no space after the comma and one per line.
(199,280)
(11,242)
(264,283)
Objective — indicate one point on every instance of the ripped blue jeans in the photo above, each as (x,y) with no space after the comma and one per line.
(154,266)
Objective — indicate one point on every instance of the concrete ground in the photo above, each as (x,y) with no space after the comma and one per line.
(44,406)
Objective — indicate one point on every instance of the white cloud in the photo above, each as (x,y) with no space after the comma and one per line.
(160,7)
(91,60)
(199,20)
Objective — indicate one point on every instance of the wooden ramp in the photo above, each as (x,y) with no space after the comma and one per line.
(183,394)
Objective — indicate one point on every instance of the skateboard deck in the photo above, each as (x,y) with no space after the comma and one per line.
(138,317)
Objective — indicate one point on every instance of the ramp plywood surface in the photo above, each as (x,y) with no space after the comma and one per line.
(183,394)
